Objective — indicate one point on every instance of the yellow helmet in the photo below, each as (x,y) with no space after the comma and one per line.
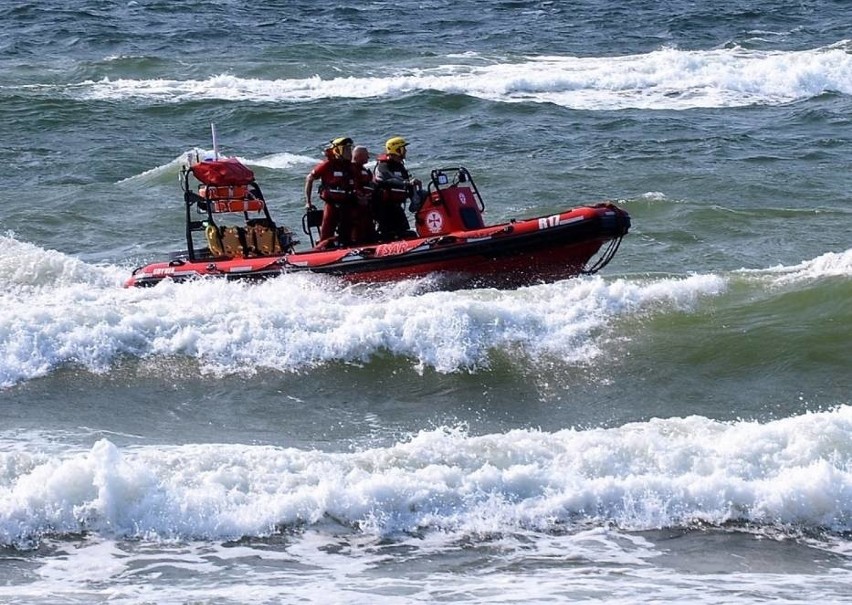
(338,144)
(396,145)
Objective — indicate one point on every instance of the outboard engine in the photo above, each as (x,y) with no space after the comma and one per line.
(452,204)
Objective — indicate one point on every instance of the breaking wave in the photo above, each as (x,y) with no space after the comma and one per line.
(59,310)
(790,473)
(664,79)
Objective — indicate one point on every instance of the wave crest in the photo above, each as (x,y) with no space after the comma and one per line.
(664,79)
(662,473)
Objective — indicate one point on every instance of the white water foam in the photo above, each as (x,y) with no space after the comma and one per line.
(25,265)
(792,473)
(275,161)
(663,79)
(60,311)
(282,161)
(829,265)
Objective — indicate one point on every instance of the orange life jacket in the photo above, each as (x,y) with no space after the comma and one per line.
(338,180)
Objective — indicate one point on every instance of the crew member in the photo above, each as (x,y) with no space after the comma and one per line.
(394,186)
(363,225)
(338,184)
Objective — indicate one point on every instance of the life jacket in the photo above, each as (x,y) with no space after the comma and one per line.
(260,237)
(365,176)
(389,193)
(338,181)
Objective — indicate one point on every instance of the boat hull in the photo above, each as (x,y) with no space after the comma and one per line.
(534,250)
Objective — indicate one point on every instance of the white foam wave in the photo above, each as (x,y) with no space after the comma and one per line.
(58,310)
(275,161)
(293,323)
(661,473)
(829,265)
(171,167)
(26,265)
(663,79)
(282,161)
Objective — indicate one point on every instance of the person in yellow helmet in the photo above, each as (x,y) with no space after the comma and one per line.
(338,187)
(393,187)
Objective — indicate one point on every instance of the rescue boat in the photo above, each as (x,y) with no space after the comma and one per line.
(449,237)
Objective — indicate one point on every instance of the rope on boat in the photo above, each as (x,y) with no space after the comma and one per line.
(604,259)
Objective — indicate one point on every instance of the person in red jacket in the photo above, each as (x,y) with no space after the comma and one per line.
(394,186)
(363,227)
(339,183)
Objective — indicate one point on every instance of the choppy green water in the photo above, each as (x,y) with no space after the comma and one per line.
(562,441)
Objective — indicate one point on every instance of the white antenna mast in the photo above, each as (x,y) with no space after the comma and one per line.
(215,144)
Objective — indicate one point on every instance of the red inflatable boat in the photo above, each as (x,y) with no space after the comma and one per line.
(450,237)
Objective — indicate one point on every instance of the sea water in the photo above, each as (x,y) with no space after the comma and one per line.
(677,428)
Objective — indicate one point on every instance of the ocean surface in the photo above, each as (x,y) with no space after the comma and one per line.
(674,429)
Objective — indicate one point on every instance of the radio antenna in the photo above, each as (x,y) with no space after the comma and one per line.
(215,144)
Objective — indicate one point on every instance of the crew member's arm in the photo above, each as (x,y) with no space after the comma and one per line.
(309,188)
